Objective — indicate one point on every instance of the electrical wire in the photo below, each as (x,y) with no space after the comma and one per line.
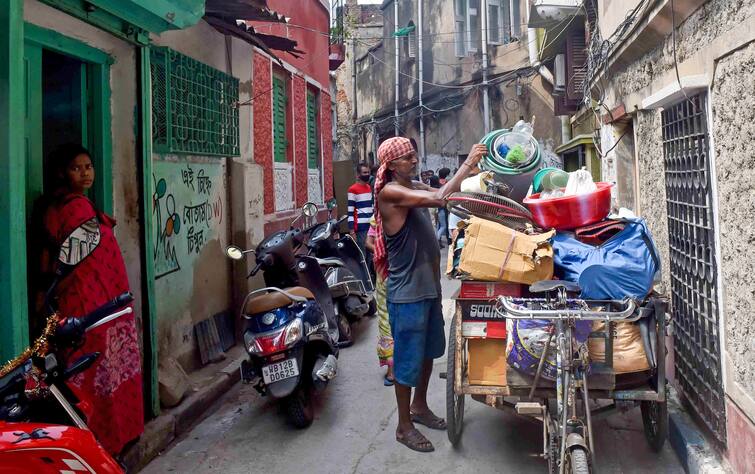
(676,63)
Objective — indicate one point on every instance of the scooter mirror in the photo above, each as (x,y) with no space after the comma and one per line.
(331,203)
(234,252)
(309,209)
(80,243)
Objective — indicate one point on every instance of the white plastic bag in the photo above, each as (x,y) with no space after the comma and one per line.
(523,127)
(580,182)
(556,193)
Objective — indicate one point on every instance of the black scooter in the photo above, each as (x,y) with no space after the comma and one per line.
(289,327)
(346,272)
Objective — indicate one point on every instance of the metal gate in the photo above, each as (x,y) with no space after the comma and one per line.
(689,201)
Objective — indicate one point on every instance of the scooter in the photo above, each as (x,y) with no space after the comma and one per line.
(289,327)
(40,430)
(346,272)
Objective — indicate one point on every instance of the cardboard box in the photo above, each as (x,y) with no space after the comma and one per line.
(487,362)
(494,252)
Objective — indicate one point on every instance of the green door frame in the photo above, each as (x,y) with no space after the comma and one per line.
(149,308)
(13,180)
(14,336)
(98,68)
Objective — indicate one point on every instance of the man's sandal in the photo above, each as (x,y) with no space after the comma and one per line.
(430,420)
(416,441)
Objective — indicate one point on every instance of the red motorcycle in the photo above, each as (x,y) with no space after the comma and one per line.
(40,430)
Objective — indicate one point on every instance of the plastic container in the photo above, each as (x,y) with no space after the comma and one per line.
(570,212)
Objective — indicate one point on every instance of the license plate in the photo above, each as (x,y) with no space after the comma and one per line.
(280,371)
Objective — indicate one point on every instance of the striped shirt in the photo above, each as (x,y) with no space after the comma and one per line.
(360,206)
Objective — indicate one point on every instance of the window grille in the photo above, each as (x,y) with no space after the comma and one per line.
(193,106)
(694,290)
(411,42)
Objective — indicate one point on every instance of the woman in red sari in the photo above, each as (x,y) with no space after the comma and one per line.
(110,392)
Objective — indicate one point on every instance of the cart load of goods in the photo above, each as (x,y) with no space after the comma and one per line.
(519,222)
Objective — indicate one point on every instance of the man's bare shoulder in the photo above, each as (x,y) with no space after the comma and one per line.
(393,191)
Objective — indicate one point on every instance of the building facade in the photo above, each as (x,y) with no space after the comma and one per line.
(294,147)
(424,77)
(169,112)
(661,103)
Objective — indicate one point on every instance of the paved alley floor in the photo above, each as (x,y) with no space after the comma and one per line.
(354,432)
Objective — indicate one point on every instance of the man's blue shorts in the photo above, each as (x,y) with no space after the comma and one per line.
(418,335)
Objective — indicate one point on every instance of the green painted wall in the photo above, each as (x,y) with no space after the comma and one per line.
(13,298)
(189,224)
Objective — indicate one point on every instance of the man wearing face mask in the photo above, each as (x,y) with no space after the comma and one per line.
(360,206)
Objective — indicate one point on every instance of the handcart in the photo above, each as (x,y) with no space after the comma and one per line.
(583,390)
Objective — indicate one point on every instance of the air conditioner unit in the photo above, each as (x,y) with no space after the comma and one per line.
(559,75)
(547,13)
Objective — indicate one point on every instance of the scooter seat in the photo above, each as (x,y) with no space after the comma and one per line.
(330,262)
(275,299)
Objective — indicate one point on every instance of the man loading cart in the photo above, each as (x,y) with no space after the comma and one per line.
(408,256)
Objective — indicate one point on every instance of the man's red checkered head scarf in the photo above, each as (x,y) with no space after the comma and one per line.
(390,150)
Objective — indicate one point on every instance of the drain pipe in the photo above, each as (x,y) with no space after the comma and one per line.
(534,61)
(420,57)
(485,95)
(548,77)
(396,66)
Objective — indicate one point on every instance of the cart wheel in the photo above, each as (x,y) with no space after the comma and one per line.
(655,423)
(576,461)
(454,402)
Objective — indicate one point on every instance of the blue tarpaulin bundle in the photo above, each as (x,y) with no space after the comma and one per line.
(625,265)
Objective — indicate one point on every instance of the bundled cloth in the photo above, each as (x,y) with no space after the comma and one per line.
(623,266)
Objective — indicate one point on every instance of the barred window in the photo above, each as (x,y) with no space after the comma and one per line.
(194,107)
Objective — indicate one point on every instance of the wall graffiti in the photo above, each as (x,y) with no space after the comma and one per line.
(188,207)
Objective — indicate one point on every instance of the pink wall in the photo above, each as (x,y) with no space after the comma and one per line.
(262,125)
(300,139)
(740,438)
(309,26)
(326,124)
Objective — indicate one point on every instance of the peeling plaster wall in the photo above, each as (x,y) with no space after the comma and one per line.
(713,19)
(734,140)
(652,196)
(700,41)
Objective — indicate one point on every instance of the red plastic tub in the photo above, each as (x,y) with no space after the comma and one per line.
(570,212)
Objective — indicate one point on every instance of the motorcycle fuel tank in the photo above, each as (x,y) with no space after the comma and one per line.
(43,448)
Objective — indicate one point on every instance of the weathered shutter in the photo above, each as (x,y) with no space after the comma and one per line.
(279,120)
(576,58)
(313,148)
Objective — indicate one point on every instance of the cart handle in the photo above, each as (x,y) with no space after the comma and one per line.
(506,307)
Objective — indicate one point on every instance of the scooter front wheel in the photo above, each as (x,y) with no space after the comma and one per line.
(299,408)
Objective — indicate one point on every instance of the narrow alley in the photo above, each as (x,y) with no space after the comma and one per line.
(353,431)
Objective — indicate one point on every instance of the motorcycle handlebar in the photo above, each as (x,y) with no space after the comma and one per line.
(74,327)
(340,221)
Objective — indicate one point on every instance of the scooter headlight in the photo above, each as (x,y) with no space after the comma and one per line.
(294,332)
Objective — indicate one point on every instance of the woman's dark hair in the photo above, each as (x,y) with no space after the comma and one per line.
(443,173)
(64,154)
(434,181)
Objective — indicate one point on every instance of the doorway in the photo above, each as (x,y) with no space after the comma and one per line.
(63,104)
